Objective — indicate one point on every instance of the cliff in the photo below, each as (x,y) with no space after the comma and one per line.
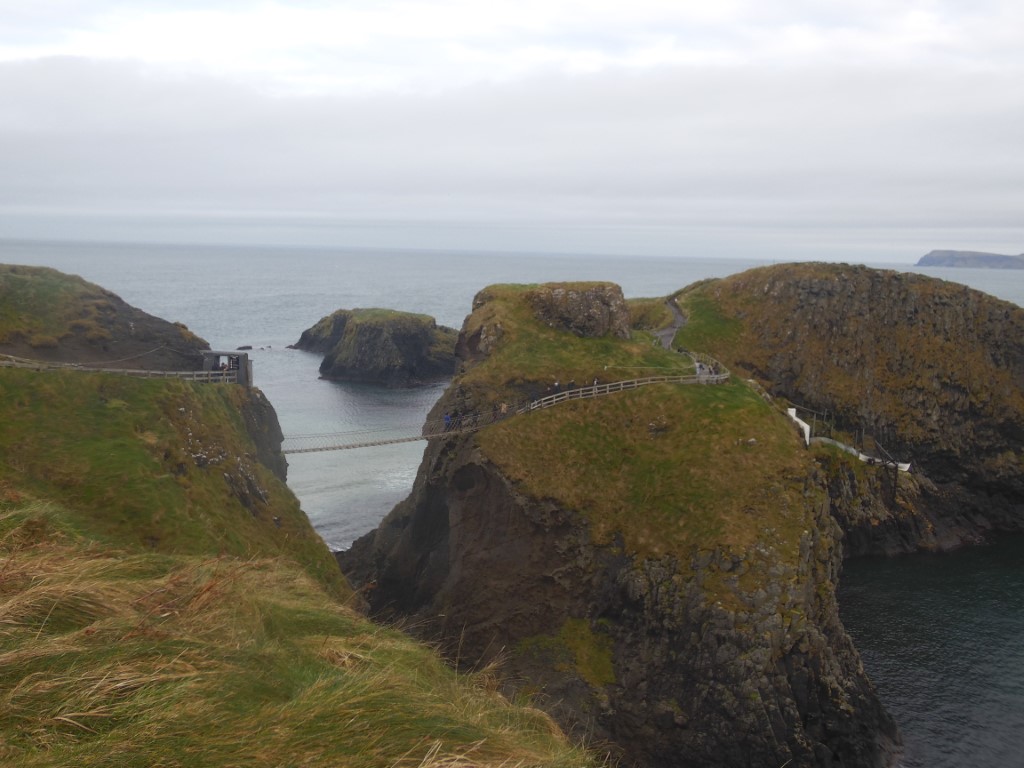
(381,346)
(930,370)
(973,259)
(53,317)
(658,565)
(165,601)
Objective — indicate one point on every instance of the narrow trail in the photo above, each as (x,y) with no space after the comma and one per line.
(668,333)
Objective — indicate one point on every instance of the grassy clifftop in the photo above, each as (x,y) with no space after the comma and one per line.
(659,466)
(658,562)
(50,316)
(930,367)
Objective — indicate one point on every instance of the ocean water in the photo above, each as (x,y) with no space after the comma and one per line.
(942,637)
(266,297)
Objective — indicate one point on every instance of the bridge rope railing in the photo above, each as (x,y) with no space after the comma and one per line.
(712,372)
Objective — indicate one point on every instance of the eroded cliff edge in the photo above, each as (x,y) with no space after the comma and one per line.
(658,565)
(381,346)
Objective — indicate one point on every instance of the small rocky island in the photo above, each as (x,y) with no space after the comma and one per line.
(381,346)
(975,259)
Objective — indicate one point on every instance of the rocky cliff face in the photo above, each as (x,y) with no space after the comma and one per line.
(929,369)
(262,425)
(678,606)
(395,349)
(591,310)
(635,652)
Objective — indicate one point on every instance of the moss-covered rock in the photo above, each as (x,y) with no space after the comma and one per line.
(381,346)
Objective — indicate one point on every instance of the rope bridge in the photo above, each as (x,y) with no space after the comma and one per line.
(460,424)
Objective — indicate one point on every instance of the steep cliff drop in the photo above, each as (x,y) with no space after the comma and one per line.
(656,566)
(931,370)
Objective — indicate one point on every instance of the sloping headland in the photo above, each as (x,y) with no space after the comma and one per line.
(971,259)
(164,600)
(49,316)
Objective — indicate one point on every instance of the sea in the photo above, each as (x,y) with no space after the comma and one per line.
(942,637)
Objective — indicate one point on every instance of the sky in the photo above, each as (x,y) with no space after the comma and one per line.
(857,130)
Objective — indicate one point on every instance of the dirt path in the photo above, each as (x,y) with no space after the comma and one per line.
(665,335)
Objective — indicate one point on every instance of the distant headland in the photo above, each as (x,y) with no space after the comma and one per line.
(975,259)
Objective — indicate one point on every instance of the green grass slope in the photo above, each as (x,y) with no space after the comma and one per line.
(51,316)
(164,601)
(666,469)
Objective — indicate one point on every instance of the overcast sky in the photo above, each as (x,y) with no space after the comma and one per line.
(848,129)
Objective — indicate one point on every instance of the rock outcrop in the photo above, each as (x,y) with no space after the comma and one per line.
(657,567)
(380,346)
(930,370)
(585,309)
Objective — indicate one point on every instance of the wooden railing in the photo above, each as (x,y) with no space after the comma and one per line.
(214,377)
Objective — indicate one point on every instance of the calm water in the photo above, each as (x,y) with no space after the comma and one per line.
(266,297)
(942,636)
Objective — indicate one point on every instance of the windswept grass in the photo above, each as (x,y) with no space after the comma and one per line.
(162,464)
(118,658)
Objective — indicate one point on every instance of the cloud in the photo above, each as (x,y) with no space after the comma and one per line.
(780,120)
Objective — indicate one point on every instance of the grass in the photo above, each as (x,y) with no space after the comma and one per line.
(161,464)
(649,314)
(658,467)
(41,306)
(153,613)
(706,327)
(111,657)
(533,355)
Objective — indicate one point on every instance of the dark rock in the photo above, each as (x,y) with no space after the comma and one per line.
(394,349)
(586,309)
